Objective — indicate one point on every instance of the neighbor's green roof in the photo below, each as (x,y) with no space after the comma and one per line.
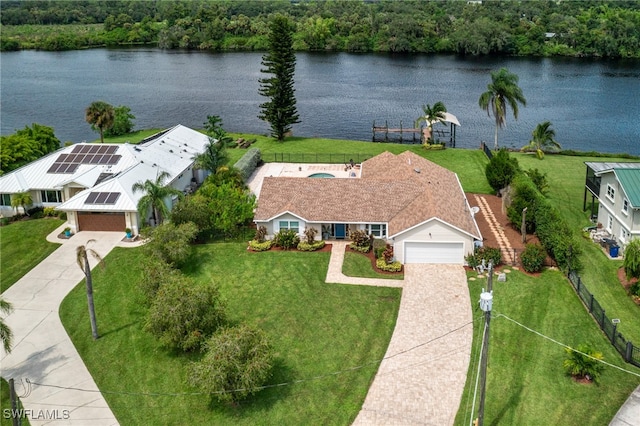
(630,181)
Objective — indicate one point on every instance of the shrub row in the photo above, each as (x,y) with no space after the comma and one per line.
(260,246)
(248,162)
(382,264)
(305,246)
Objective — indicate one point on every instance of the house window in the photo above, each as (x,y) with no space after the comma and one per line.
(625,206)
(379,230)
(624,235)
(609,223)
(51,196)
(5,199)
(611,193)
(293,225)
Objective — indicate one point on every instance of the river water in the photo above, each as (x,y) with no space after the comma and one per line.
(593,105)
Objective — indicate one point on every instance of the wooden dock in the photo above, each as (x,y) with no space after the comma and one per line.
(397,133)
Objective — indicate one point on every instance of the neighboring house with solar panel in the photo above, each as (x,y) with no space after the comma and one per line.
(615,198)
(92,182)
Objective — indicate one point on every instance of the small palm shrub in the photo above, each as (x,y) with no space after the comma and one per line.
(533,258)
(632,259)
(261,234)
(582,366)
(379,246)
(286,239)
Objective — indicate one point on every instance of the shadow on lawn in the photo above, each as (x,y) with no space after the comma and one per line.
(513,401)
(263,400)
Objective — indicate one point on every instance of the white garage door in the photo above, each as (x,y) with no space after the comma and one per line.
(419,252)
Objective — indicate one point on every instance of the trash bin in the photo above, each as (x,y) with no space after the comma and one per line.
(613,250)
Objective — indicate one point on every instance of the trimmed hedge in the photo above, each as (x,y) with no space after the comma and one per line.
(389,267)
(361,249)
(524,195)
(533,258)
(248,162)
(260,246)
(305,246)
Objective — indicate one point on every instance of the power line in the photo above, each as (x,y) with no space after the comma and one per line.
(322,376)
(565,345)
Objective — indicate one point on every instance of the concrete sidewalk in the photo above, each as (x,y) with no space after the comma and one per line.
(421,379)
(629,413)
(42,351)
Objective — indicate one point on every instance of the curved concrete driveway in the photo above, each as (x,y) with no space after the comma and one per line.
(421,379)
(42,351)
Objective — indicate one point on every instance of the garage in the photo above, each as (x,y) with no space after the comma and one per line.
(88,221)
(430,252)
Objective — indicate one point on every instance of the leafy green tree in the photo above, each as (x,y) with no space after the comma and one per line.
(6,335)
(26,145)
(122,121)
(154,196)
(101,116)
(280,62)
(82,259)
(182,315)
(539,179)
(432,115)
(231,206)
(21,199)
(543,137)
(170,242)
(501,169)
(155,273)
(583,363)
(503,91)
(237,363)
(631,261)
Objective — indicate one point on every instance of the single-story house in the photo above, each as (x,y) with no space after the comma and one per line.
(616,187)
(92,182)
(416,205)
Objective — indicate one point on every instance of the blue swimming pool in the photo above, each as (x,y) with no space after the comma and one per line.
(321,175)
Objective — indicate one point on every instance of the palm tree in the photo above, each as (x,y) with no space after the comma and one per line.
(213,157)
(101,115)
(21,199)
(432,115)
(502,91)
(5,332)
(155,193)
(583,363)
(82,259)
(543,137)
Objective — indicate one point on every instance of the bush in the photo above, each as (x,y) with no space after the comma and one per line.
(488,254)
(631,261)
(182,315)
(387,254)
(539,179)
(50,212)
(155,273)
(286,238)
(360,238)
(310,235)
(261,234)
(635,289)
(501,169)
(523,194)
(581,366)
(260,246)
(533,257)
(237,362)
(556,236)
(248,163)
(379,246)
(389,267)
(305,246)
(171,243)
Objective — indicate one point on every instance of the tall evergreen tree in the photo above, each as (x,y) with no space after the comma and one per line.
(280,62)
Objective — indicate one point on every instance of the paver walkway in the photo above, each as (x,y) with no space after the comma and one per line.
(42,351)
(421,379)
(496,230)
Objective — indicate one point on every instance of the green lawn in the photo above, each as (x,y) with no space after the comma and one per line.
(133,137)
(316,329)
(526,382)
(359,265)
(22,246)
(5,404)
(566,177)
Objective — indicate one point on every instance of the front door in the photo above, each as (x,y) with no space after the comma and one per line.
(340,231)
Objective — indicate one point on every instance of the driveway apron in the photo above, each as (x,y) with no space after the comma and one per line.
(42,351)
(422,377)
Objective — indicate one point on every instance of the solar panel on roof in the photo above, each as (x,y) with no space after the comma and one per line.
(105,159)
(85,149)
(114,159)
(112,149)
(76,149)
(103,150)
(62,158)
(53,167)
(102,198)
(93,159)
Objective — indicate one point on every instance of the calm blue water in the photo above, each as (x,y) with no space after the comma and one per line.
(593,105)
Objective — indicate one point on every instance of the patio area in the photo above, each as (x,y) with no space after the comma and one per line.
(301,170)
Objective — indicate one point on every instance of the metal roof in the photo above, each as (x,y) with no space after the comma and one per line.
(630,181)
(599,167)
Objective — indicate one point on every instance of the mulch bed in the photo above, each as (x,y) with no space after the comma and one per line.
(372,257)
(624,282)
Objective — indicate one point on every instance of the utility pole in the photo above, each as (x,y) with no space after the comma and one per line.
(14,403)
(523,229)
(486,302)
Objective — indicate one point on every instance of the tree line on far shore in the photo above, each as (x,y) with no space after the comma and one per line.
(531,28)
